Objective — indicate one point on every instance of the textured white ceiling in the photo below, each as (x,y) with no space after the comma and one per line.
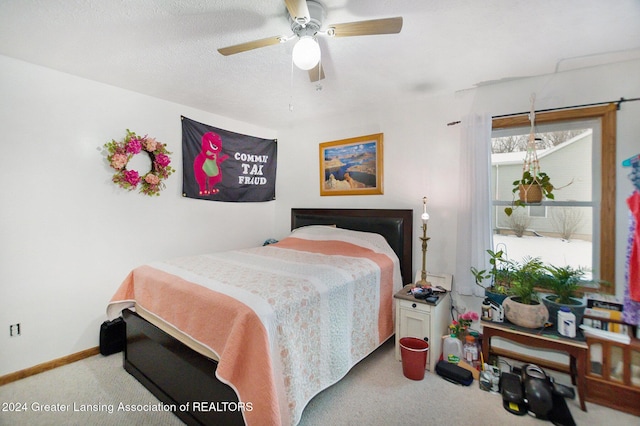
(167,48)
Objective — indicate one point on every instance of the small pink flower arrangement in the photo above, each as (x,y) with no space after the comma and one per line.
(120,153)
(459,327)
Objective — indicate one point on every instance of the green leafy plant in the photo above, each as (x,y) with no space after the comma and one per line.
(526,276)
(480,275)
(499,273)
(564,281)
(526,181)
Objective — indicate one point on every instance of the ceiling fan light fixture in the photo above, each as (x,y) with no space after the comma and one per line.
(306,53)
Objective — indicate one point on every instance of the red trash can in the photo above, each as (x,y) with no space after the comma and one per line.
(413,352)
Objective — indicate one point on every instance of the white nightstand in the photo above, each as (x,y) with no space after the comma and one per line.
(417,318)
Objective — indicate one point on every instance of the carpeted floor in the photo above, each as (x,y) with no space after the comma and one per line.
(375,392)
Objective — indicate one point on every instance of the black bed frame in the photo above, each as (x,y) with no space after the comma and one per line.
(178,375)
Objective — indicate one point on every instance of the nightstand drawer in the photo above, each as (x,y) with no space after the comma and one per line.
(418,306)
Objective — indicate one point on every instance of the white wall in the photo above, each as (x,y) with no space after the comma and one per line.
(421,152)
(68,236)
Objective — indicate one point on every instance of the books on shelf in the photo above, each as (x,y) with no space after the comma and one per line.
(605,307)
(604,301)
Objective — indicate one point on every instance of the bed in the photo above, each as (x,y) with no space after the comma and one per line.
(278,329)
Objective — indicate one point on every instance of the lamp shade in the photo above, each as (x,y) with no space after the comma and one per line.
(306,53)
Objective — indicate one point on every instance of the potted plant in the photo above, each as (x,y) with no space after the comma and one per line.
(523,308)
(531,187)
(499,274)
(564,282)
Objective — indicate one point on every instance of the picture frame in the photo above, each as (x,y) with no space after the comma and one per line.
(352,166)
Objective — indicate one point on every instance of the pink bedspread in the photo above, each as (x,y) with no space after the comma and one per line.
(286,320)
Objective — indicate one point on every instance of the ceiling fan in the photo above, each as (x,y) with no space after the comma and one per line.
(306,20)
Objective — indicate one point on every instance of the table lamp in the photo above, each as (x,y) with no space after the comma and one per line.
(425,217)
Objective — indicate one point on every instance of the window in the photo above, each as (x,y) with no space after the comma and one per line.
(577,228)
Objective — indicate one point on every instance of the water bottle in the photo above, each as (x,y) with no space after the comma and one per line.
(566,322)
(452,349)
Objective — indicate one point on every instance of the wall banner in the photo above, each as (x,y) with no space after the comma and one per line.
(220,165)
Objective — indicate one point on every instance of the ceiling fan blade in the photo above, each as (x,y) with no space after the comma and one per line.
(298,10)
(372,27)
(316,73)
(243,47)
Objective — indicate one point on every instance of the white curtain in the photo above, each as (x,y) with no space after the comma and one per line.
(474,220)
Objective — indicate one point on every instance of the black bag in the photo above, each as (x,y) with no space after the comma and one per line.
(454,373)
(112,336)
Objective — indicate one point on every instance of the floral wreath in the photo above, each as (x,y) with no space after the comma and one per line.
(120,153)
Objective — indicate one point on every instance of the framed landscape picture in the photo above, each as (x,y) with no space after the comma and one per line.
(351,166)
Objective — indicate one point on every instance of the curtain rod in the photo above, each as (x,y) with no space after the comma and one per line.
(618,102)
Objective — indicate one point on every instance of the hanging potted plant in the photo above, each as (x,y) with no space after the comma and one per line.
(534,184)
(524,308)
(531,188)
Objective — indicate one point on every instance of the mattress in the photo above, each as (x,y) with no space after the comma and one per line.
(285,321)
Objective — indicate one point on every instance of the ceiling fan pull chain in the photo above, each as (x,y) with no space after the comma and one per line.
(320,77)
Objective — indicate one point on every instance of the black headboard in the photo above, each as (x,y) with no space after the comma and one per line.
(396,226)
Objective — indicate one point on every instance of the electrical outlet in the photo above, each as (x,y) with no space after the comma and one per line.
(14,330)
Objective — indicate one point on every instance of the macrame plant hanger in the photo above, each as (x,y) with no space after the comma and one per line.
(531,163)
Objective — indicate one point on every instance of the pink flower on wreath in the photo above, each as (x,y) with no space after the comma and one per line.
(163,160)
(152,179)
(118,161)
(132,177)
(134,146)
(150,144)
